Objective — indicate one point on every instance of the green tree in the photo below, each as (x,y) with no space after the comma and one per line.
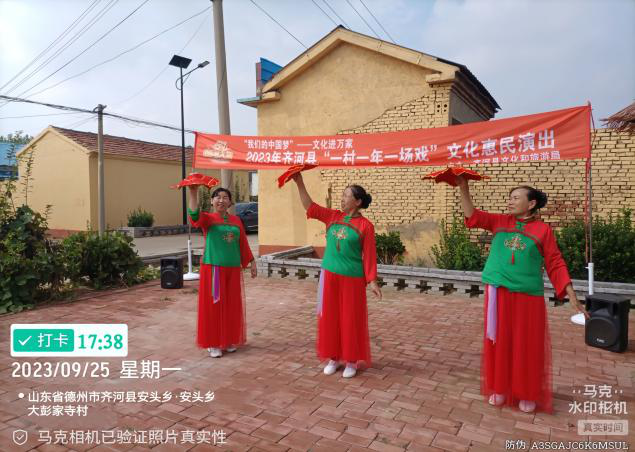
(455,251)
(390,248)
(18,137)
(613,248)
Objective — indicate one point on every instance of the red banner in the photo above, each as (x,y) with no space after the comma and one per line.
(556,135)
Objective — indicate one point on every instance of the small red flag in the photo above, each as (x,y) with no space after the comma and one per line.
(449,175)
(295,169)
(197,179)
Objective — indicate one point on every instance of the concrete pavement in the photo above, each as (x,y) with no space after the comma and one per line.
(152,249)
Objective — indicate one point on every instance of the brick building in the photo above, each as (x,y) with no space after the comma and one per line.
(351,83)
(137,174)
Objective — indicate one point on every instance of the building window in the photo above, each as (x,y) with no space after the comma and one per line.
(253,185)
(8,172)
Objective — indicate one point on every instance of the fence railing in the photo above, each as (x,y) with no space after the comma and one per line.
(294,265)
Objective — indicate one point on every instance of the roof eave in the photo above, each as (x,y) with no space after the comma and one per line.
(271,96)
(444,70)
(342,35)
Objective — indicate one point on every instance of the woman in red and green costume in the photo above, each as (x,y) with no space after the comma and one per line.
(221,294)
(349,264)
(516,359)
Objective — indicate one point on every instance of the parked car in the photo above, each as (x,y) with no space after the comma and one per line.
(248,213)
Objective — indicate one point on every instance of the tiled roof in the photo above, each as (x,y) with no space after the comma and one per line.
(126,147)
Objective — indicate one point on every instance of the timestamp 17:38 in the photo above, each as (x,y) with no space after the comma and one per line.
(103,342)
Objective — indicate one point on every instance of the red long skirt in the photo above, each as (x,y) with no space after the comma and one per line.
(343,322)
(518,364)
(221,324)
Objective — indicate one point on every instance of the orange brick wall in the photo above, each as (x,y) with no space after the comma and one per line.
(403,202)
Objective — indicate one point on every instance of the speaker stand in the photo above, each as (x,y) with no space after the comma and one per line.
(190,275)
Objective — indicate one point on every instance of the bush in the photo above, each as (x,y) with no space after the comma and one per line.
(30,264)
(613,248)
(34,268)
(390,249)
(101,261)
(148,273)
(140,219)
(455,251)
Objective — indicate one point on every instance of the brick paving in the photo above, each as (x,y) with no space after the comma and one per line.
(422,392)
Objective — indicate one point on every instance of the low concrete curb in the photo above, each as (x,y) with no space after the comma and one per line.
(292,264)
(155,259)
(156,230)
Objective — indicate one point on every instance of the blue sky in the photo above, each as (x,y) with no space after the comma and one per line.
(532,55)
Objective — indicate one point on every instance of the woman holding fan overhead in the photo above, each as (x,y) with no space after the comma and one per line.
(349,264)
(516,359)
(221,295)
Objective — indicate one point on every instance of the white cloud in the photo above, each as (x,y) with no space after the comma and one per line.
(536,55)
(531,55)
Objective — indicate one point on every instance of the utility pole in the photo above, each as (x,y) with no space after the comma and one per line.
(100,167)
(221,82)
(184,189)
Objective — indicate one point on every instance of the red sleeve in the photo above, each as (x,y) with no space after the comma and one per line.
(555,265)
(369,253)
(246,255)
(485,220)
(199,219)
(323,214)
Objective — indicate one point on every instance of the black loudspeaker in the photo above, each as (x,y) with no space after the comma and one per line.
(607,326)
(171,273)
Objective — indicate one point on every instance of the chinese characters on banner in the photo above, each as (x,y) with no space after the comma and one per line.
(556,135)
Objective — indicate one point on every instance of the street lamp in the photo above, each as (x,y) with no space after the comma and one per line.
(183,63)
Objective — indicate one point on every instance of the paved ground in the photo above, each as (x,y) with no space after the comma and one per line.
(166,244)
(422,392)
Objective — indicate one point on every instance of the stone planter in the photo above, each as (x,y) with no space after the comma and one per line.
(292,264)
(156,231)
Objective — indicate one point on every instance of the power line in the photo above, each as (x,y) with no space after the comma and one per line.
(315,3)
(81,122)
(38,116)
(334,12)
(56,106)
(379,23)
(279,24)
(66,45)
(362,17)
(146,122)
(87,48)
(142,122)
(120,54)
(55,41)
(166,66)
(83,110)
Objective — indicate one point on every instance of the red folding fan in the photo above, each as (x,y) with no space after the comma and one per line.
(449,175)
(295,169)
(197,179)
